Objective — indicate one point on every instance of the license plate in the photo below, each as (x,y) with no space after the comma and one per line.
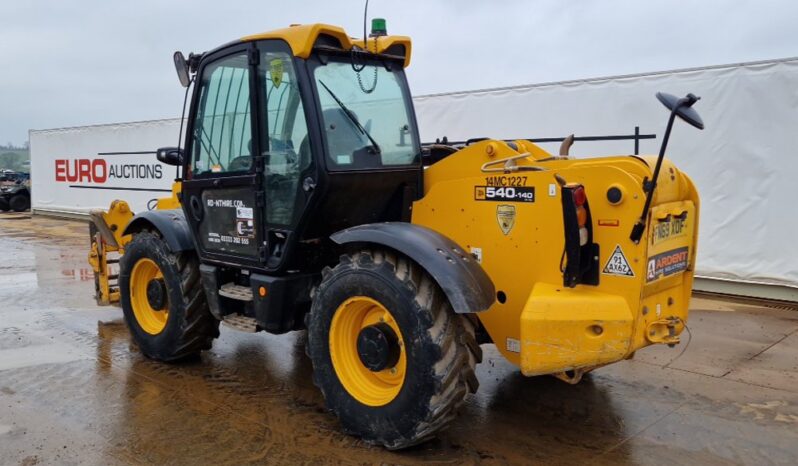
(671,227)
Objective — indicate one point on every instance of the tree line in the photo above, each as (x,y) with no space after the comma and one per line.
(11,146)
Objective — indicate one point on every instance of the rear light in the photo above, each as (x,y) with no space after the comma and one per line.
(580,258)
(581,220)
(579,196)
(581,216)
(584,235)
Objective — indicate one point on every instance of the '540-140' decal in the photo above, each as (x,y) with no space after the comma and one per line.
(504,194)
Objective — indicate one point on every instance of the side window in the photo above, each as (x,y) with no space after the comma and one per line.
(222,138)
(288,152)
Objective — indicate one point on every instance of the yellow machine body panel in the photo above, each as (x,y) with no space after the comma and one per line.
(595,330)
(173,201)
(108,226)
(302,37)
(537,322)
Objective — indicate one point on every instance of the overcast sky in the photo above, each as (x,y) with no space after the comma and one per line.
(79,62)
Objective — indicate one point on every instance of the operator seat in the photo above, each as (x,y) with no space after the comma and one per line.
(242,162)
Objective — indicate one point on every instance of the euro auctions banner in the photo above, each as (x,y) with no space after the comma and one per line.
(74,170)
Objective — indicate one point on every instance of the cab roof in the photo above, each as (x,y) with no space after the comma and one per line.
(303,37)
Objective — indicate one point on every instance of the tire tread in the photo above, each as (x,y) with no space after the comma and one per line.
(199,328)
(451,335)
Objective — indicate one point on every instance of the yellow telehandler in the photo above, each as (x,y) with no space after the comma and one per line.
(305,201)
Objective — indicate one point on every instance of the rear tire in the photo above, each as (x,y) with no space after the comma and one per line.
(20,203)
(438,345)
(188,326)
(4,205)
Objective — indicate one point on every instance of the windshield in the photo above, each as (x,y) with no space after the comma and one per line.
(366,116)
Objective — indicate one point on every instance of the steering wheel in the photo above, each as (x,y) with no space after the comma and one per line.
(281,147)
(240,163)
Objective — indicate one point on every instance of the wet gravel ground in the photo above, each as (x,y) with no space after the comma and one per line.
(74,390)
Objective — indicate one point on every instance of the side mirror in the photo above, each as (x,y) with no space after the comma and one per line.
(683,106)
(170,155)
(181,66)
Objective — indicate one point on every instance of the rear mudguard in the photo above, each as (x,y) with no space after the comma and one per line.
(171,224)
(466,285)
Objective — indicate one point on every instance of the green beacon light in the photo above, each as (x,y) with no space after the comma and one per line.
(378,27)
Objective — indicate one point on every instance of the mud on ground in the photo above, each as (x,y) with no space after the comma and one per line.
(74,390)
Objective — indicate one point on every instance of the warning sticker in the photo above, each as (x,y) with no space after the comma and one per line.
(618,265)
(276,71)
(667,263)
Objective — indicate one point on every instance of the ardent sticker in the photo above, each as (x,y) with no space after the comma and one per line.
(618,265)
(667,263)
(513,345)
(505,214)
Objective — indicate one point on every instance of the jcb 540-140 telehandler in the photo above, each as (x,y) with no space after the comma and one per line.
(305,201)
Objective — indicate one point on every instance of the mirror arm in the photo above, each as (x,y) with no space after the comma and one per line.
(640,225)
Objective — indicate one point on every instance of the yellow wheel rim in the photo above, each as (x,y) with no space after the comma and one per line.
(150,320)
(369,388)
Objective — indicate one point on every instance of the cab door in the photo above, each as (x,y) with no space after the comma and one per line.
(289,174)
(221,193)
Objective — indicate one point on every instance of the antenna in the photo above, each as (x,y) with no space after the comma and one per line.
(365,20)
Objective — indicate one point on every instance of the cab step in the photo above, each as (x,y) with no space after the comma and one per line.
(233,291)
(241,323)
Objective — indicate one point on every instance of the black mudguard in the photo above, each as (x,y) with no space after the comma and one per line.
(171,224)
(462,279)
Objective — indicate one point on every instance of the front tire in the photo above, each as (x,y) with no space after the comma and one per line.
(20,203)
(4,205)
(163,301)
(402,400)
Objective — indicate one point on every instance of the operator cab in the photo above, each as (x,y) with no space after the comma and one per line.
(292,136)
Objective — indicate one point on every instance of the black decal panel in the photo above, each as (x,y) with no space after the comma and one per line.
(228,225)
(504,194)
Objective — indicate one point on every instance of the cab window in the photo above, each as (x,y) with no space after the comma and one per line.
(287,152)
(222,137)
(366,115)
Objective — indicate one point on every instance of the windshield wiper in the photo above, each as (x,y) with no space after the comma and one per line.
(352,117)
